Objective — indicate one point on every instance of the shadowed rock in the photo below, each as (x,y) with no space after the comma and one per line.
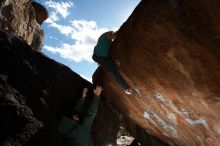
(35,91)
(41,12)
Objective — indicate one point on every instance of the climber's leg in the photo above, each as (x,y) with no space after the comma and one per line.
(108,65)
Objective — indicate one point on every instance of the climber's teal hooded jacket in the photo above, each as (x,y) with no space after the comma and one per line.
(103,46)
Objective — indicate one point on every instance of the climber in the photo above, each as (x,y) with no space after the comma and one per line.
(76,130)
(101,56)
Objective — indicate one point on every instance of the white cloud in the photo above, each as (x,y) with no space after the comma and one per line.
(84,34)
(53,17)
(87,78)
(63,29)
(51,37)
(61,8)
(74,52)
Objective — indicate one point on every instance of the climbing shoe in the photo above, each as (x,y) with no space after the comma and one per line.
(130,91)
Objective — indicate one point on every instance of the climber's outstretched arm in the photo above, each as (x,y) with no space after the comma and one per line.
(90,116)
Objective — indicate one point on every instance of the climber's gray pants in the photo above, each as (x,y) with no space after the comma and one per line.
(108,65)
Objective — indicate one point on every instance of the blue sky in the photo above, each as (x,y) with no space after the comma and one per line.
(73,27)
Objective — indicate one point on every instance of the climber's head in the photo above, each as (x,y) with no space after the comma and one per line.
(116,33)
(111,35)
(76,117)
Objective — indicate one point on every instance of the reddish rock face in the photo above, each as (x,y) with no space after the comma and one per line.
(24,20)
(169,51)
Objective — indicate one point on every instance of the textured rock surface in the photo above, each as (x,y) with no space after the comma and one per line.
(35,91)
(18,124)
(21,18)
(169,50)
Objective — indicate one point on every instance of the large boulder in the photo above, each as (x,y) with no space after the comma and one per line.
(169,51)
(36,86)
(35,91)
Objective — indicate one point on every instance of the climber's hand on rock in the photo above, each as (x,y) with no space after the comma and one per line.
(97,91)
(85,90)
